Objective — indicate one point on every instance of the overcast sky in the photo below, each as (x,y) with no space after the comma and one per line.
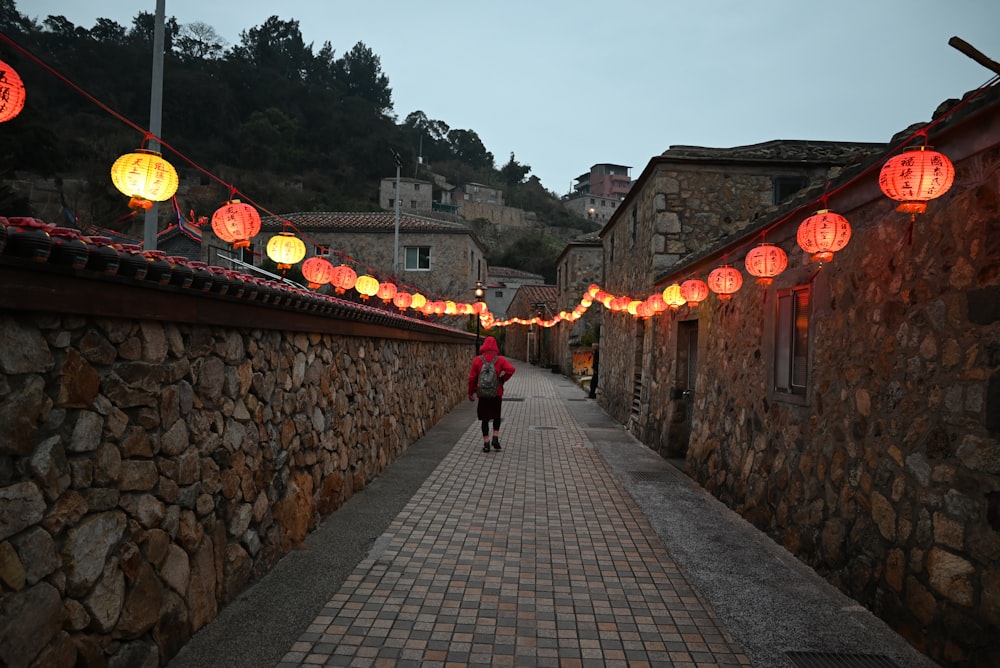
(565,85)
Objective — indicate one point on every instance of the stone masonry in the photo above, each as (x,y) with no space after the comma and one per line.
(150,470)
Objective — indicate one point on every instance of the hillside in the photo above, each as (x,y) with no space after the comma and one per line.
(289,128)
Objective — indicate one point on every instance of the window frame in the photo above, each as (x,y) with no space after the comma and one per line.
(790,373)
(418,267)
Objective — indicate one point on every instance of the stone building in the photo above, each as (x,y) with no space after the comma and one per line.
(531,343)
(414,194)
(502,284)
(851,410)
(685,201)
(435,257)
(595,208)
(577,267)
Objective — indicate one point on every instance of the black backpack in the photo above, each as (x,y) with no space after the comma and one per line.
(489,382)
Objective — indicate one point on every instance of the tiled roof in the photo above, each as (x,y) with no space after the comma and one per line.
(376,221)
(535,294)
(508,272)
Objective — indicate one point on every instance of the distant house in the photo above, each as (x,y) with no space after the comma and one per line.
(439,258)
(416,195)
(596,208)
(531,343)
(579,265)
(502,284)
(477,192)
(604,180)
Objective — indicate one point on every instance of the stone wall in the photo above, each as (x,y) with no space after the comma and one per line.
(150,469)
(884,476)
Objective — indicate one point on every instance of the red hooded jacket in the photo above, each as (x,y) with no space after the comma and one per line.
(490,351)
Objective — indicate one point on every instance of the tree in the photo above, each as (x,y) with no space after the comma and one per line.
(468,147)
(106,30)
(144,30)
(199,41)
(276,45)
(360,72)
(514,172)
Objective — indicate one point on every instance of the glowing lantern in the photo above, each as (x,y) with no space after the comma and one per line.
(725,281)
(427,308)
(479,308)
(644,310)
(916,175)
(672,297)
(418,301)
(656,303)
(766,261)
(11,93)
(402,300)
(236,223)
(694,291)
(633,306)
(366,286)
(823,234)
(318,271)
(386,291)
(145,177)
(286,249)
(450,308)
(343,278)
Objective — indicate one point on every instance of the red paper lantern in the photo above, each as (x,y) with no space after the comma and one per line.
(916,175)
(695,291)
(672,296)
(386,291)
(418,301)
(11,93)
(402,300)
(725,281)
(656,303)
(318,271)
(343,278)
(236,223)
(766,261)
(366,286)
(823,234)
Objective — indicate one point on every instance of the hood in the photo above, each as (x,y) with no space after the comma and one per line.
(489,346)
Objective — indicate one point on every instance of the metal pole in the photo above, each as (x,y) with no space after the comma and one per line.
(395,247)
(150,226)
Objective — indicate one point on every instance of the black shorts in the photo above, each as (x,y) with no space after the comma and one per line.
(489,408)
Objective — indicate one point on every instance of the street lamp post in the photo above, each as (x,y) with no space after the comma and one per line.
(480,293)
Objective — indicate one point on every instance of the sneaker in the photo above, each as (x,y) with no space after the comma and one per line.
(496,443)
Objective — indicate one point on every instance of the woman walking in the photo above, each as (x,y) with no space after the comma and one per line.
(486,378)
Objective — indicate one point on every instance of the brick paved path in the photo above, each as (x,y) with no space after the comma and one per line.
(531,556)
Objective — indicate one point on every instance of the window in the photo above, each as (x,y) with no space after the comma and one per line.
(416,186)
(418,258)
(413,204)
(786,186)
(791,342)
(392,203)
(635,225)
(498,294)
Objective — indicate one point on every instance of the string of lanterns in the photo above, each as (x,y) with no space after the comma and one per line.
(913,177)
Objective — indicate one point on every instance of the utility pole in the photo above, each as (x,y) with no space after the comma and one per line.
(150,226)
(395,247)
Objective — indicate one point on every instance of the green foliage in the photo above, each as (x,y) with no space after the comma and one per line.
(293,128)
